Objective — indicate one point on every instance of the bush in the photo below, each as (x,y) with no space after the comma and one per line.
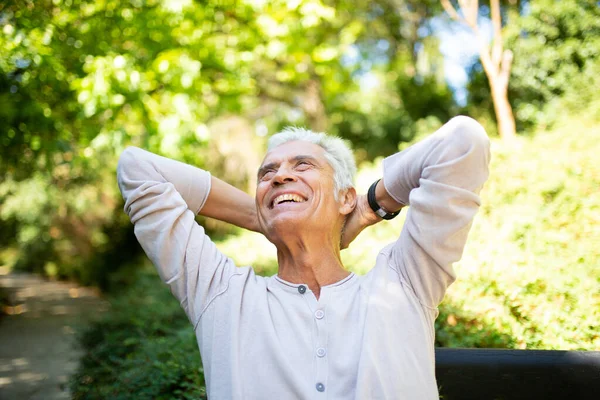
(145,348)
(556,61)
(530,266)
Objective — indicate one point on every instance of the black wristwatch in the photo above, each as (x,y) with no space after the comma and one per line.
(376,207)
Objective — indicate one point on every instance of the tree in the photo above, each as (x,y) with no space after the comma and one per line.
(496,61)
(82,79)
(556,71)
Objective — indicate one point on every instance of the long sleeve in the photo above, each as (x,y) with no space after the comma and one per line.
(440,179)
(162,197)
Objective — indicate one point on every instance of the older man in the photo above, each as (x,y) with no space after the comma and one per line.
(314,330)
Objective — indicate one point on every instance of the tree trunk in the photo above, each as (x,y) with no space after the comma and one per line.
(496,62)
(503,109)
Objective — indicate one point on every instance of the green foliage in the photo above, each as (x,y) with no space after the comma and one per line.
(81,79)
(556,65)
(144,348)
(537,280)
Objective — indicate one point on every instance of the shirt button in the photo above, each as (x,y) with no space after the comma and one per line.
(301,289)
(320,387)
(321,352)
(319,314)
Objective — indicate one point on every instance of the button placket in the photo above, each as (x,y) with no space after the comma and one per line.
(320,349)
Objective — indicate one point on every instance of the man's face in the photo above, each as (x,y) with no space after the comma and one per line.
(295,190)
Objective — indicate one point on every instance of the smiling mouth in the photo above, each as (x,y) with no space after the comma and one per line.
(287,198)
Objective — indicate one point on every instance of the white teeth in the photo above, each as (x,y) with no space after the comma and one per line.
(287,197)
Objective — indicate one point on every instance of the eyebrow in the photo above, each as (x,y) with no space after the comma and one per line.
(262,170)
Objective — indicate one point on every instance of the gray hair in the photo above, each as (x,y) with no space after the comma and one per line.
(337,153)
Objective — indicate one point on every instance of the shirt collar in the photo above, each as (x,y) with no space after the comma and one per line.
(336,286)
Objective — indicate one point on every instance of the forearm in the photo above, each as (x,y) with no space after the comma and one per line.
(139,170)
(457,155)
(447,159)
(204,194)
(229,204)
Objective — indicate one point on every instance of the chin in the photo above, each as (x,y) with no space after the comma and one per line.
(286,226)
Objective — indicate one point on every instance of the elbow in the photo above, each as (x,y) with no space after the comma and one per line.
(469,137)
(468,130)
(469,134)
(128,158)
(468,149)
(128,163)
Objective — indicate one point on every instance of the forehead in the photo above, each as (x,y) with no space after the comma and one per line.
(295,148)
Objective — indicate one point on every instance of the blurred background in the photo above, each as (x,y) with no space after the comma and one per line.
(207,82)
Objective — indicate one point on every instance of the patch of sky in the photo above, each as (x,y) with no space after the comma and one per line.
(363,59)
(383,45)
(22,63)
(460,49)
(458,45)
(366,56)
(350,57)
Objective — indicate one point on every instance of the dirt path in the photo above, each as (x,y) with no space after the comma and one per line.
(38,349)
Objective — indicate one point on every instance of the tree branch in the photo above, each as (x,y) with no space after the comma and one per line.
(470,9)
(489,67)
(451,11)
(497,24)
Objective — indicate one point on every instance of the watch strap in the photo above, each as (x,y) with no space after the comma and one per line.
(377,209)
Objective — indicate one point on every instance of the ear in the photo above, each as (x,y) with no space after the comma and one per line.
(347,201)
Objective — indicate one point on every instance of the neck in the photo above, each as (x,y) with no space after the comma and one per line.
(315,262)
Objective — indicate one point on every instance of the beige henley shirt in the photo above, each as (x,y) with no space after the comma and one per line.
(367,337)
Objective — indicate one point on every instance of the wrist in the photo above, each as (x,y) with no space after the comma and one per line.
(369,217)
(384,199)
(375,205)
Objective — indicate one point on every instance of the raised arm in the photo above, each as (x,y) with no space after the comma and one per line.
(162,197)
(439,178)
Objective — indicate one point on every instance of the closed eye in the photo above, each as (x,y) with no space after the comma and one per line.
(303,165)
(266,175)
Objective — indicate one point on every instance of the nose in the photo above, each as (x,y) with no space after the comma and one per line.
(283,175)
